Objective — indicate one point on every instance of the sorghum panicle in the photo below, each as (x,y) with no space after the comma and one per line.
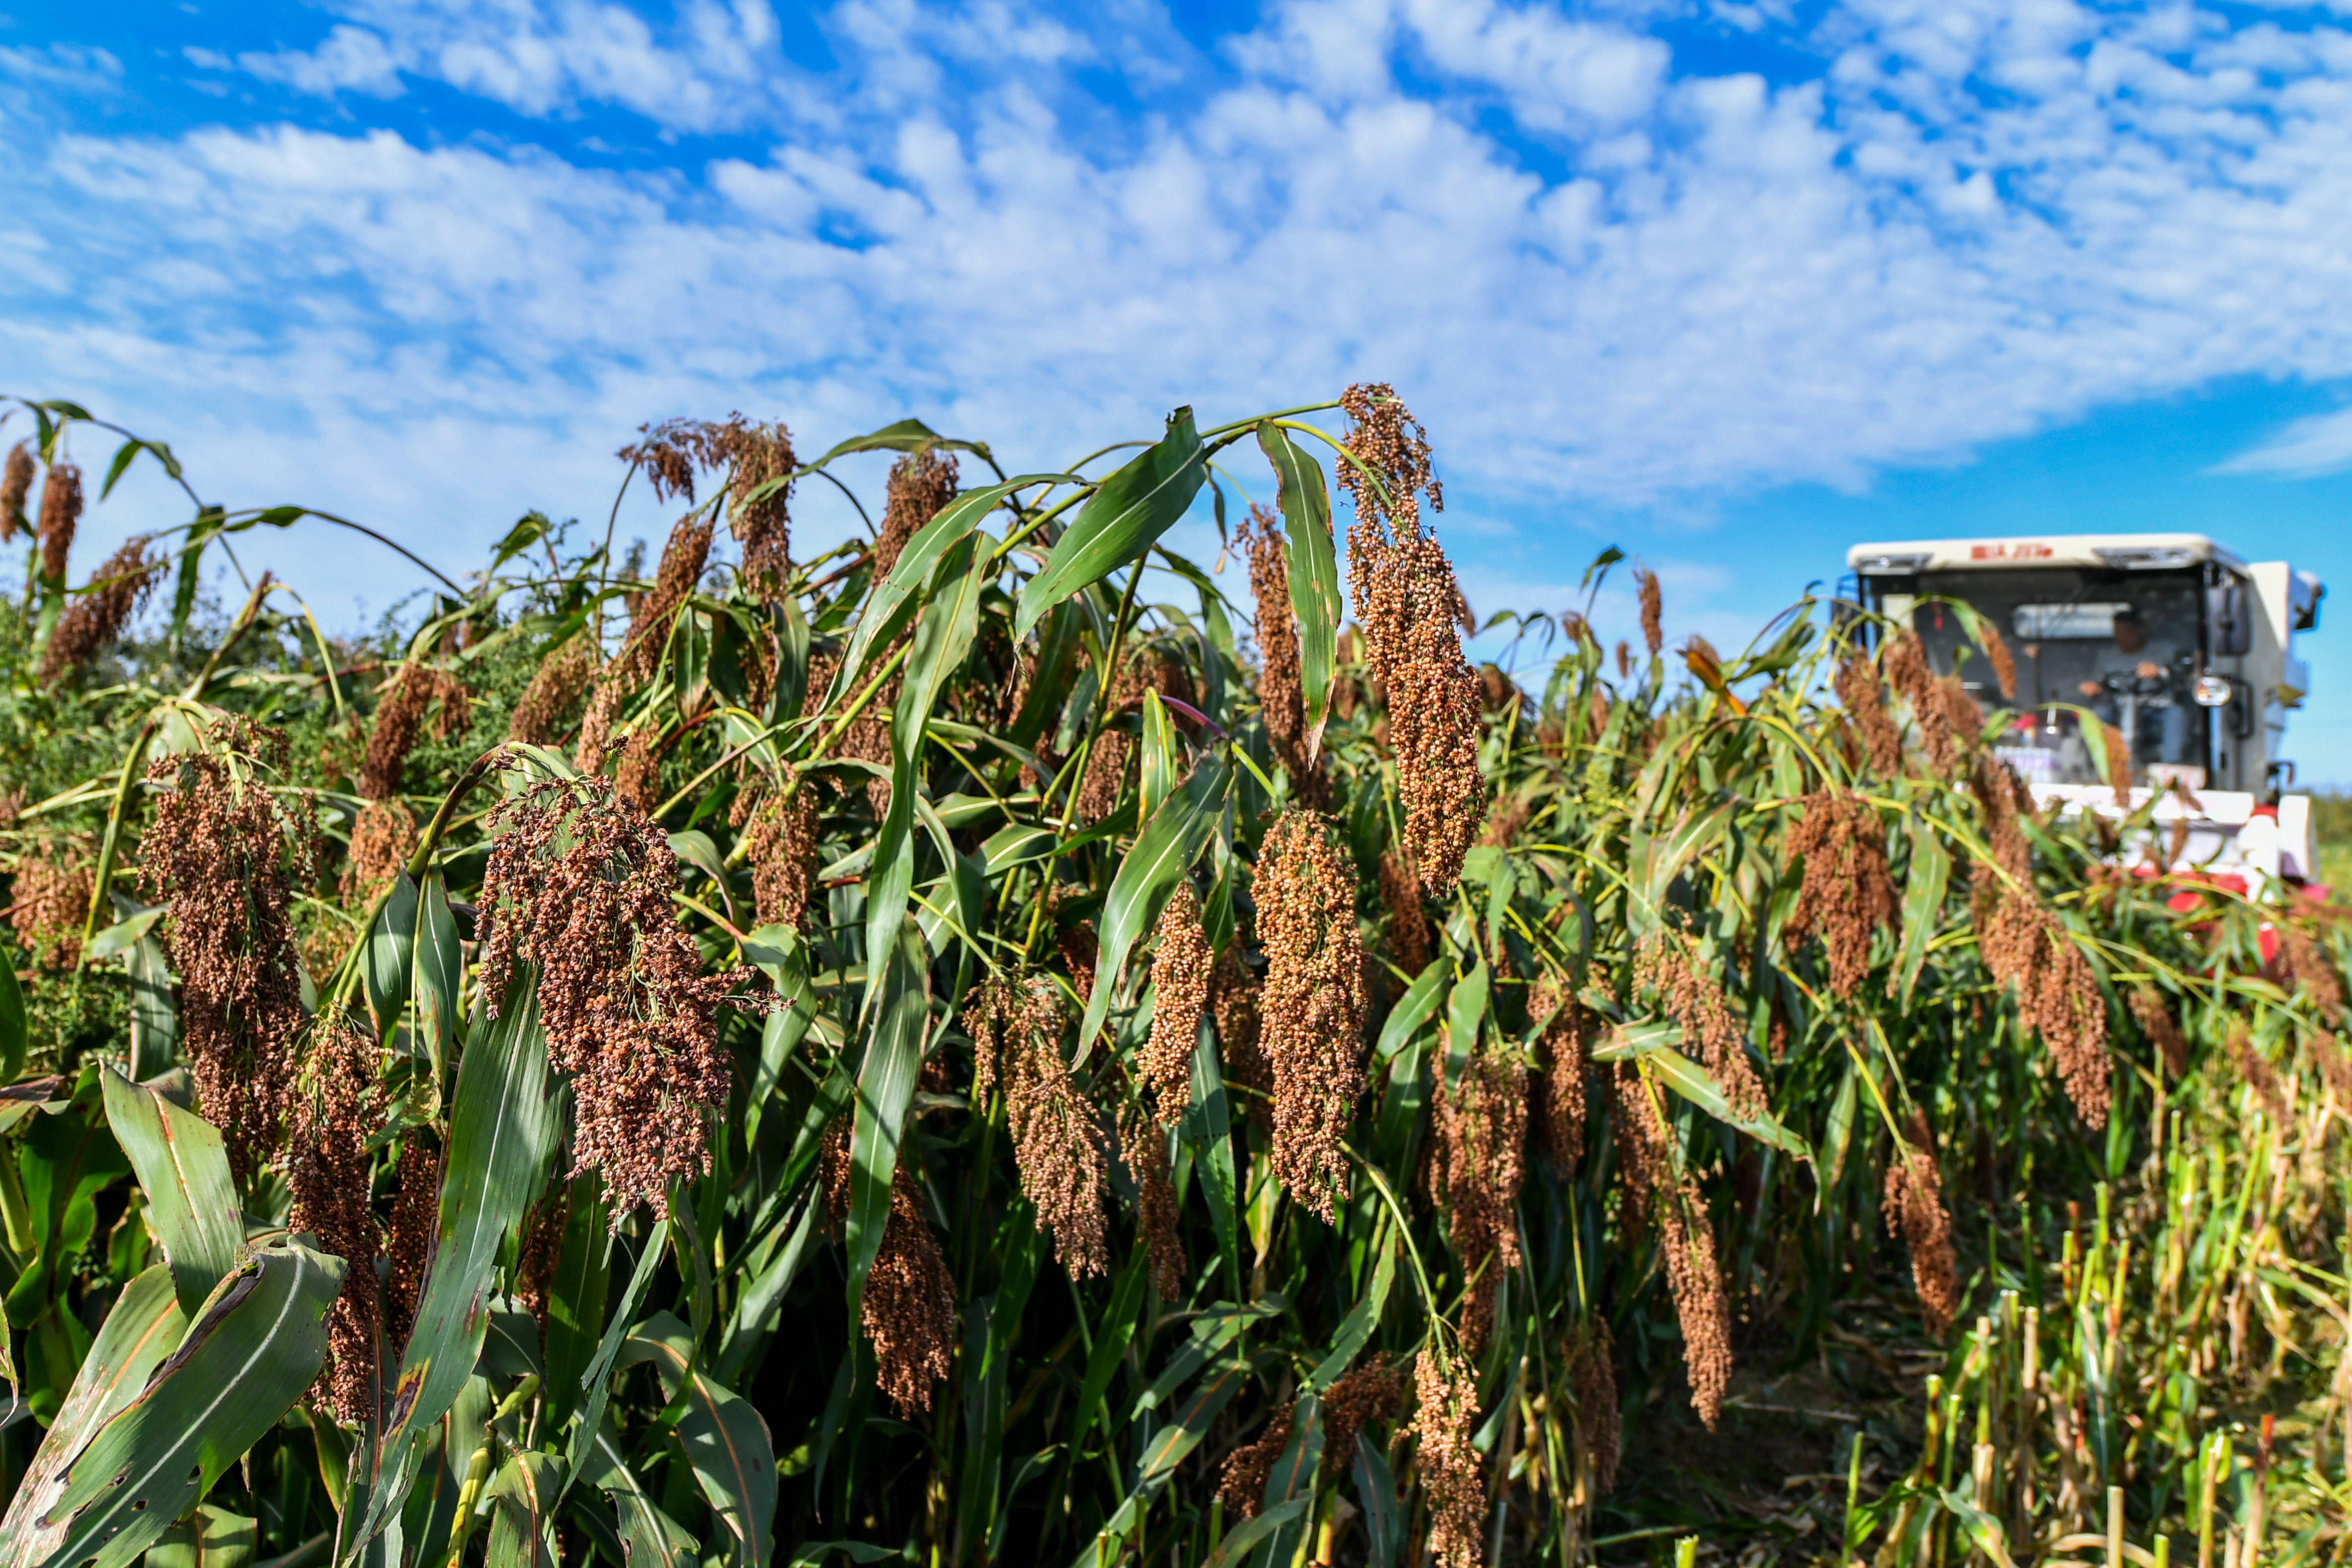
(96,617)
(1599,1421)
(60,515)
(229,858)
(1865,701)
(1406,601)
(1371,1391)
(1481,1124)
(383,837)
(1446,1389)
(683,559)
(779,841)
(579,882)
(1653,625)
(2057,994)
(2258,1074)
(2155,1021)
(1240,1482)
(1282,701)
(415,1213)
(2117,746)
(1144,1149)
(414,691)
(1408,923)
(1668,962)
(337,1107)
(1560,1048)
(545,708)
(1645,1146)
(1914,1211)
(1906,668)
(1057,1142)
(2308,967)
(51,896)
(1179,995)
(1847,892)
(921,484)
(15,485)
(1234,996)
(2004,663)
(1312,1018)
(908,1308)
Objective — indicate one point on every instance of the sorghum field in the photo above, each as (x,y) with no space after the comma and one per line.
(999,1042)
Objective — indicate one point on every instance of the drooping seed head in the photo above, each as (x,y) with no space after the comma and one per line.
(1179,989)
(96,615)
(1311,1020)
(579,883)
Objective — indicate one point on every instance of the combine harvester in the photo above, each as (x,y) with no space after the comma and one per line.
(2185,649)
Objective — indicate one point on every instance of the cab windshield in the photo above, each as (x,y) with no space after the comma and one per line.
(2124,645)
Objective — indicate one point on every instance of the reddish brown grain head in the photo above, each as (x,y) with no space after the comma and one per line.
(2157,1022)
(1865,701)
(1914,1211)
(550,704)
(338,1104)
(1445,1390)
(60,516)
(579,884)
(1906,668)
(415,693)
(1369,1392)
(94,617)
(1666,1196)
(779,841)
(1847,892)
(1997,654)
(1599,1422)
(1143,1148)
(415,1213)
(229,857)
(1057,1138)
(1408,923)
(1481,1125)
(921,484)
(1408,603)
(2056,992)
(2118,748)
(1282,702)
(1652,601)
(50,903)
(1241,1482)
(1403,596)
(908,1308)
(1565,1029)
(1669,965)
(1312,1013)
(1180,990)
(16,487)
(383,837)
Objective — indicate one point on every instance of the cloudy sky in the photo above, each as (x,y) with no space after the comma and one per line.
(1728,284)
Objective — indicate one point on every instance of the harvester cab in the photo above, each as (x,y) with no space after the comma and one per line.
(2186,651)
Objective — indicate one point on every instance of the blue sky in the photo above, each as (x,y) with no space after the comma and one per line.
(1728,284)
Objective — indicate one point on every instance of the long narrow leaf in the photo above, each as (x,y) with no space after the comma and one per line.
(191,1197)
(1119,522)
(258,1346)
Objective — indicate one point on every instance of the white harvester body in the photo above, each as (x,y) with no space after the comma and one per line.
(2168,638)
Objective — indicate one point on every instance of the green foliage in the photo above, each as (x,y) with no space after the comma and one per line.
(917,816)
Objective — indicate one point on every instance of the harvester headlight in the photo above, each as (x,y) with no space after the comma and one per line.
(2213,691)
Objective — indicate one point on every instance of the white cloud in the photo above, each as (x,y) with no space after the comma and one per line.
(1980,219)
(2320,444)
(351,59)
